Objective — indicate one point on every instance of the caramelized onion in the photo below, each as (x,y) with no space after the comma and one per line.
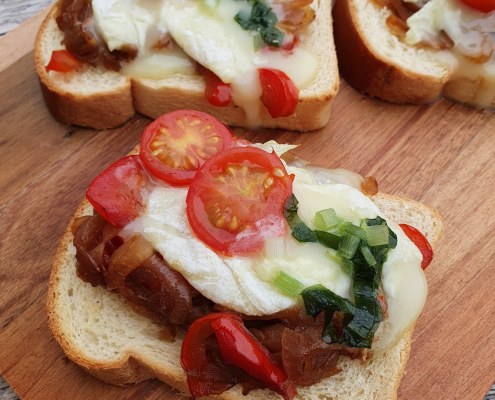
(369,186)
(306,357)
(155,286)
(75,20)
(297,14)
(88,233)
(126,259)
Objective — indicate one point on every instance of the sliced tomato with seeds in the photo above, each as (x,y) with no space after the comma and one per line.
(176,144)
(278,93)
(421,243)
(117,193)
(237,199)
(62,61)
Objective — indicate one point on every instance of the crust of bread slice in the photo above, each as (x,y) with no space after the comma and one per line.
(373,60)
(101,333)
(102,99)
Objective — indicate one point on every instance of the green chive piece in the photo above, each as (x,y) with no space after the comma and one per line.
(287,284)
(376,235)
(351,229)
(366,252)
(328,239)
(348,245)
(326,220)
(346,265)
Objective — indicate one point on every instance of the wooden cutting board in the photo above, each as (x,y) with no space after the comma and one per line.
(440,154)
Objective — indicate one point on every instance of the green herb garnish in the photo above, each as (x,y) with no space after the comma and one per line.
(287,284)
(262,20)
(361,252)
(300,230)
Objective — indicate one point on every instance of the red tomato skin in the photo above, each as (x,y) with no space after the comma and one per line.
(269,218)
(161,170)
(484,6)
(116,194)
(278,93)
(421,243)
(240,348)
(62,61)
(218,93)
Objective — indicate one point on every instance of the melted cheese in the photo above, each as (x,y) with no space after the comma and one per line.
(211,37)
(473,54)
(243,283)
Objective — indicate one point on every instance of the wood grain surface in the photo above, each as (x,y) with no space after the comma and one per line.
(440,154)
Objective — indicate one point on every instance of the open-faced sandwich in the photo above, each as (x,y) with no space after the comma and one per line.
(268,63)
(413,51)
(226,268)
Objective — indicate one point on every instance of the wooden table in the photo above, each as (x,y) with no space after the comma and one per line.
(440,154)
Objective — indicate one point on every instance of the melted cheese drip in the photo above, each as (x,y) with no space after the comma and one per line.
(139,23)
(243,283)
(209,36)
(473,55)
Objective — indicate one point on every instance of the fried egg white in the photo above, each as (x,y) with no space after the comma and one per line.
(243,284)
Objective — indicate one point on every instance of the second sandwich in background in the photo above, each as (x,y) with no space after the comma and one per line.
(249,63)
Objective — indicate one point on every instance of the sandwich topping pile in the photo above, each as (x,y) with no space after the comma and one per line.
(461,31)
(249,52)
(273,269)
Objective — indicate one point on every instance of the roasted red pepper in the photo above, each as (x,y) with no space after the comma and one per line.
(421,243)
(62,61)
(237,347)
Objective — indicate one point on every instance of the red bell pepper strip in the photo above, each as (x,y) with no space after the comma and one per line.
(237,347)
(62,61)
(421,243)
(240,348)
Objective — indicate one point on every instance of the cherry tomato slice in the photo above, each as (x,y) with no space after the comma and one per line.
(421,243)
(117,193)
(217,92)
(176,144)
(62,61)
(237,198)
(485,6)
(278,93)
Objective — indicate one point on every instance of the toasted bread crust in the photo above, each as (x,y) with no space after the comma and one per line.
(110,108)
(106,109)
(383,374)
(372,73)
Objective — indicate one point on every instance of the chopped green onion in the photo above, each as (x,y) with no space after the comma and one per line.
(348,245)
(351,229)
(287,284)
(300,230)
(346,265)
(376,235)
(328,239)
(365,251)
(326,219)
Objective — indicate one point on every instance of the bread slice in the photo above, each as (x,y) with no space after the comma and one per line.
(375,61)
(98,331)
(102,99)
